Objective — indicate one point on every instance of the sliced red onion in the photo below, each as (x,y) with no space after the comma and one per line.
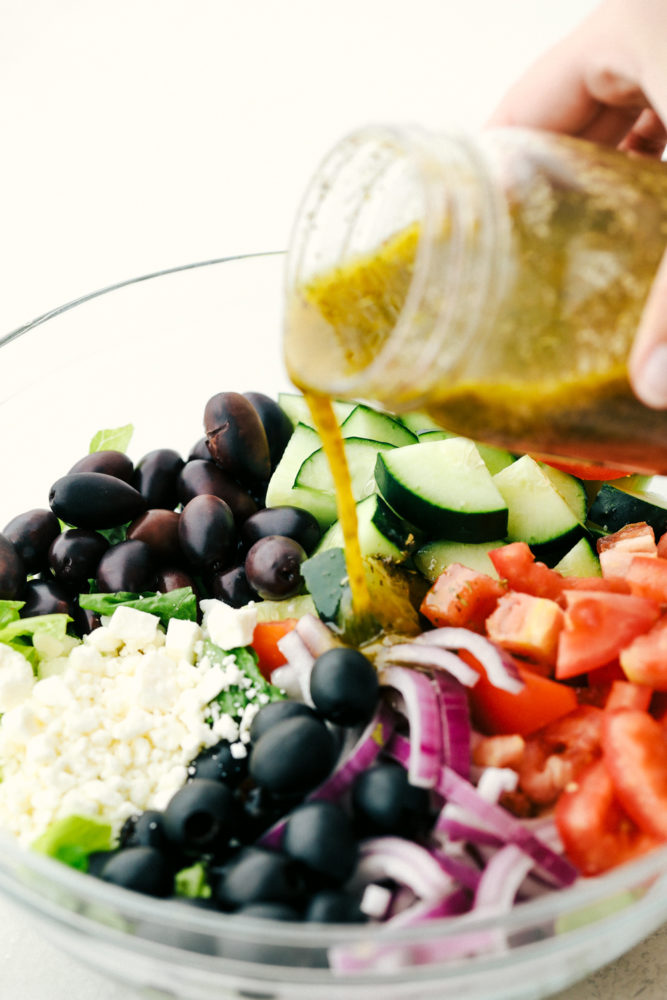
(453,905)
(499,666)
(300,659)
(404,862)
(455,723)
(464,873)
(502,878)
(285,678)
(362,755)
(429,657)
(455,829)
(317,636)
(422,710)
(456,789)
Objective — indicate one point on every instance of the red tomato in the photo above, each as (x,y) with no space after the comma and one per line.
(556,754)
(539,702)
(265,643)
(527,626)
(662,546)
(598,626)
(596,832)
(462,597)
(516,564)
(583,470)
(647,577)
(644,660)
(606,675)
(622,694)
(635,752)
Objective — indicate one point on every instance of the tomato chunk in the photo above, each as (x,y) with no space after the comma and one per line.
(617,551)
(516,564)
(527,626)
(556,754)
(598,626)
(597,833)
(647,577)
(622,694)
(635,753)
(644,660)
(265,643)
(462,597)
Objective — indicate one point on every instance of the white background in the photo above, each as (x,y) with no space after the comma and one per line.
(141,134)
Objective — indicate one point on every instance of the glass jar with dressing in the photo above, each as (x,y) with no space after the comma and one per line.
(496,282)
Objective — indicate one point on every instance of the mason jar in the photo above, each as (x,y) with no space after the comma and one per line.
(495,282)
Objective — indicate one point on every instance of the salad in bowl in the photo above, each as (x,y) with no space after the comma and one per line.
(214,773)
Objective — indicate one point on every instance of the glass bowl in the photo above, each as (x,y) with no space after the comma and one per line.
(150,352)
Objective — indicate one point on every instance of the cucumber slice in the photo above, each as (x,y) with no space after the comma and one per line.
(381,532)
(419,421)
(364,422)
(296,408)
(494,459)
(361,455)
(291,607)
(538,514)
(445,488)
(571,489)
(433,558)
(581,560)
(304,442)
(614,507)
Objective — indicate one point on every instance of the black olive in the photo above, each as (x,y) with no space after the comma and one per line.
(75,555)
(95,500)
(276,711)
(270,911)
(144,830)
(259,876)
(158,528)
(127,566)
(320,835)
(156,478)
(206,532)
(144,869)
(199,476)
(291,522)
(201,816)
(333,906)
(31,533)
(293,756)
(219,764)
(344,686)
(277,424)
(236,437)
(110,462)
(385,803)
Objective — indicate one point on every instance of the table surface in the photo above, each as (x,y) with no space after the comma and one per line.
(147,133)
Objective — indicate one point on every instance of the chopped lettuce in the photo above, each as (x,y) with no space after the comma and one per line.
(192,882)
(72,839)
(115,438)
(252,688)
(19,633)
(180,603)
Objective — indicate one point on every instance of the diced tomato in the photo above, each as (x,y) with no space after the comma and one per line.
(635,753)
(644,660)
(556,754)
(583,470)
(622,694)
(527,626)
(496,712)
(597,833)
(662,546)
(617,551)
(516,564)
(462,597)
(598,626)
(606,675)
(647,577)
(265,643)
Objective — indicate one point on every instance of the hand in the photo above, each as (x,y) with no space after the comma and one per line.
(607,82)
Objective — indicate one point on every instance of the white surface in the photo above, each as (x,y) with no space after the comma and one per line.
(141,134)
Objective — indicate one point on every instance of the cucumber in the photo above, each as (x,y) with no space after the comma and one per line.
(444,488)
(581,560)
(419,421)
(291,607)
(614,507)
(571,489)
(361,454)
(381,532)
(433,558)
(538,513)
(296,408)
(494,459)
(365,422)
(280,491)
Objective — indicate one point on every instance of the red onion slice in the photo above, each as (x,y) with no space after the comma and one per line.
(299,659)
(422,709)
(455,724)
(430,657)
(317,636)
(499,666)
(404,862)
(502,878)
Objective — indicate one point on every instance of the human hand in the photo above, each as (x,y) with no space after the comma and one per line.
(607,82)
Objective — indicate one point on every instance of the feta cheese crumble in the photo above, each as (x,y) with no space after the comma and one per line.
(111,732)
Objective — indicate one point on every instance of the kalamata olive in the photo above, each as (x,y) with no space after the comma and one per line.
(95,500)
(31,533)
(200,450)
(85,621)
(273,567)
(46,597)
(293,756)
(75,555)
(127,566)
(156,477)
(171,578)
(206,532)
(199,476)
(159,529)
(12,572)
(110,462)
(232,587)
(277,424)
(292,522)
(236,437)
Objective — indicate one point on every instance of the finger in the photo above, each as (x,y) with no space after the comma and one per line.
(610,126)
(648,359)
(648,136)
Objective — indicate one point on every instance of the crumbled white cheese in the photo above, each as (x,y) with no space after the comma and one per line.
(228,627)
(182,639)
(112,731)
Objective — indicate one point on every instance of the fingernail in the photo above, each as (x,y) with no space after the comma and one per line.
(651,381)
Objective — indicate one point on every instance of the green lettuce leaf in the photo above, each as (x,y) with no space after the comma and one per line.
(237,697)
(72,839)
(115,439)
(192,882)
(9,611)
(180,603)
(19,632)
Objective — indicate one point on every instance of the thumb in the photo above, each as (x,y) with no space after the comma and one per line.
(648,358)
